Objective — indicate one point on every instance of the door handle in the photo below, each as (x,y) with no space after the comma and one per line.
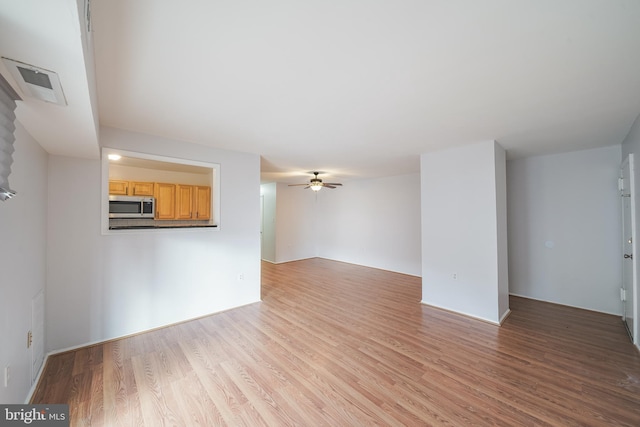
(630,256)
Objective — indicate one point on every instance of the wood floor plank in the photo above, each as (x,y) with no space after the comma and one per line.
(156,399)
(226,397)
(339,344)
(194,404)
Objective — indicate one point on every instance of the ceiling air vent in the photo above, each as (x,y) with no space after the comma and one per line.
(36,82)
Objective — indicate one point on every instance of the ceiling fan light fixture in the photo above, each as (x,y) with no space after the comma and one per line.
(316,184)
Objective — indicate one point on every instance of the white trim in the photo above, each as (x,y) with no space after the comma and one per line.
(371,266)
(630,160)
(504,316)
(565,305)
(470,316)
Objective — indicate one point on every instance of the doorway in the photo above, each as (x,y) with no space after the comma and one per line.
(629,274)
(261,226)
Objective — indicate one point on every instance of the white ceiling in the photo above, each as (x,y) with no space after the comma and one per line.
(352,87)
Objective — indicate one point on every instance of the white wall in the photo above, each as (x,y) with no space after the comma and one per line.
(289,232)
(630,145)
(268,192)
(22,261)
(105,286)
(462,230)
(565,228)
(131,173)
(295,223)
(372,222)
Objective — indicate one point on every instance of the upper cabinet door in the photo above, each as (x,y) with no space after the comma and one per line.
(130,188)
(202,202)
(141,188)
(118,188)
(165,201)
(184,201)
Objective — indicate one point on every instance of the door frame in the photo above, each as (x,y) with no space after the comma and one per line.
(36,337)
(629,162)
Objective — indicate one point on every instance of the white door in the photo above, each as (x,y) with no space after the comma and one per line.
(37,334)
(628,244)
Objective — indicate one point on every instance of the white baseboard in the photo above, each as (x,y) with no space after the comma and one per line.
(566,305)
(470,316)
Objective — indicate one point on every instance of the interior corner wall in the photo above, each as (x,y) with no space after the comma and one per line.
(296,223)
(461,244)
(23,222)
(372,222)
(564,221)
(106,286)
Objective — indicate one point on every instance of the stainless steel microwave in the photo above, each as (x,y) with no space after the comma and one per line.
(131,207)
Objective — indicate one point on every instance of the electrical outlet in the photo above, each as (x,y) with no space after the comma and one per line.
(7,375)
(240,276)
(455,276)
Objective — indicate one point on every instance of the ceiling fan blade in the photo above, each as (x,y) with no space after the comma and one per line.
(316,183)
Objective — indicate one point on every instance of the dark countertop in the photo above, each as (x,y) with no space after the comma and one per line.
(151,227)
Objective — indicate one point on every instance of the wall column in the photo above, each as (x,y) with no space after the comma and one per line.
(464,237)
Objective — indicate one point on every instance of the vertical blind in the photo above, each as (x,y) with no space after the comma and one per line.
(8,98)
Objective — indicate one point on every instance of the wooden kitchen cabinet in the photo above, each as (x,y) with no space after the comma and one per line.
(165,195)
(201,202)
(141,188)
(184,201)
(130,188)
(173,201)
(193,202)
(118,188)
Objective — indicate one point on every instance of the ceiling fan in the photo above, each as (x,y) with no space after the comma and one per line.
(316,183)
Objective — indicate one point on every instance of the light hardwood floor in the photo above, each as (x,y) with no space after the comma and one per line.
(335,344)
